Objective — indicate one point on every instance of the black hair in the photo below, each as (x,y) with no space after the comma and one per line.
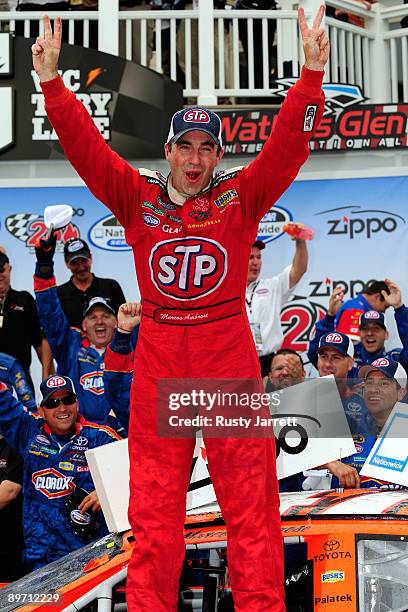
(287,351)
(375,286)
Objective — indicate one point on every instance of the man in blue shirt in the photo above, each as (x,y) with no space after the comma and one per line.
(56,473)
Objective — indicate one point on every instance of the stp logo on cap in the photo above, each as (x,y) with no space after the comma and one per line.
(188,268)
(335,338)
(55,381)
(381,362)
(371,314)
(196,115)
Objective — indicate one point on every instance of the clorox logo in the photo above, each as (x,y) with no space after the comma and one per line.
(270,227)
(188,268)
(333,576)
(334,338)
(55,382)
(196,115)
(52,483)
(108,234)
(381,362)
(93,382)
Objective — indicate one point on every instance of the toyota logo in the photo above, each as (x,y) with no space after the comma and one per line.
(331,545)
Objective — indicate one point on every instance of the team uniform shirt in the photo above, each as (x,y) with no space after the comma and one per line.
(348,317)
(361,356)
(264,301)
(13,375)
(20,328)
(54,467)
(73,353)
(191,262)
(11,529)
(73,300)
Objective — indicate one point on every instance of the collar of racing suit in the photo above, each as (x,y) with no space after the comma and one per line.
(78,426)
(179,198)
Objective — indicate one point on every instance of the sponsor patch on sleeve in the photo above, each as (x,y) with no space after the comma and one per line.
(309,118)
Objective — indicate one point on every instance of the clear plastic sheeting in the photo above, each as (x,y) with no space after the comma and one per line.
(383,574)
(47,580)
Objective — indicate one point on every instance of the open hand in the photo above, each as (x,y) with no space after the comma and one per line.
(315,40)
(46,50)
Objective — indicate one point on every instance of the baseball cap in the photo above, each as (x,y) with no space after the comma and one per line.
(338,341)
(53,383)
(97,301)
(372,316)
(196,118)
(76,248)
(259,244)
(389,367)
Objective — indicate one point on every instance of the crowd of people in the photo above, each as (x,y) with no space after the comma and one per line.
(85,334)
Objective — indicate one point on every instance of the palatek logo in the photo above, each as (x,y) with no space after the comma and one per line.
(93,382)
(271,225)
(30,228)
(108,234)
(52,483)
(355,222)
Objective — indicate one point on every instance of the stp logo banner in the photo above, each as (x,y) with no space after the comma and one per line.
(188,268)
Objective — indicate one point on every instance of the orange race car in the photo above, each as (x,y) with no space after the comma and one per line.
(344,552)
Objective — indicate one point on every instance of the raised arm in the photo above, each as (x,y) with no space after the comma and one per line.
(287,148)
(107,175)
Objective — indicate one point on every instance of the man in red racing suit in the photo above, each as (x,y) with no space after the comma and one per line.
(191,236)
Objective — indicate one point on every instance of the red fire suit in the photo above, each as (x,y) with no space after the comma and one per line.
(191,264)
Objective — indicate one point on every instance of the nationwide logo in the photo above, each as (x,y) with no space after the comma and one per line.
(355,222)
(52,483)
(333,576)
(93,382)
(271,225)
(66,466)
(108,234)
(30,228)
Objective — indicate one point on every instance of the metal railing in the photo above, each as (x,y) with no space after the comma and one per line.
(219,54)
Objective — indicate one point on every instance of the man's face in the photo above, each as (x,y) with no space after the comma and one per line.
(192,161)
(286,370)
(377,302)
(80,267)
(381,394)
(254,265)
(62,418)
(5,271)
(373,337)
(331,361)
(99,325)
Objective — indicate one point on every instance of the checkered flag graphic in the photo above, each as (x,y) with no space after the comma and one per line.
(17,224)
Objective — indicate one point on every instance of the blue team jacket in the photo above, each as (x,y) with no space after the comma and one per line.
(54,467)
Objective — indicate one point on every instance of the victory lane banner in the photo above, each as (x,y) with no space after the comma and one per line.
(131,105)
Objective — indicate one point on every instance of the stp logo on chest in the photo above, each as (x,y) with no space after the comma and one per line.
(188,268)
(196,115)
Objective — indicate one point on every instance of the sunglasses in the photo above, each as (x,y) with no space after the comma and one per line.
(53,402)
